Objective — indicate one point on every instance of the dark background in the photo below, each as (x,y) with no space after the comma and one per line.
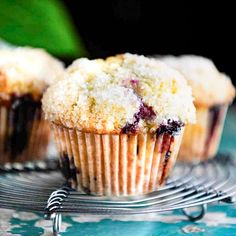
(160,27)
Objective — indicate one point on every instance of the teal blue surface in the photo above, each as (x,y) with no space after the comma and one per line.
(225,217)
(117,228)
(219,220)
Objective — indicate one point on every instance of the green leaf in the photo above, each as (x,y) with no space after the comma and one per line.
(40,23)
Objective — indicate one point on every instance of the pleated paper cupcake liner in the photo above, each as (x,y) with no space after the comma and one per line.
(115,165)
(24,135)
(200,141)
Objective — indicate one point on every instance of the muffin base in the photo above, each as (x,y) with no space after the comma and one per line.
(24,134)
(115,165)
(201,140)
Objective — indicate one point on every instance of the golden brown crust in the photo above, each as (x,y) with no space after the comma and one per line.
(3,86)
(2,81)
(90,129)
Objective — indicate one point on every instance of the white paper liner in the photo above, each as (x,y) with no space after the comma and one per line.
(115,165)
(200,142)
(37,141)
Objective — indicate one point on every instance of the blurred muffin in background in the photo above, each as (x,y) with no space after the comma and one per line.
(118,123)
(25,73)
(213,92)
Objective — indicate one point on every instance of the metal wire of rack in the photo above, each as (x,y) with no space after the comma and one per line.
(31,189)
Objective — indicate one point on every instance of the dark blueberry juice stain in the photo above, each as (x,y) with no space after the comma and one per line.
(68,168)
(172,127)
(145,113)
(130,128)
(166,148)
(168,130)
(216,113)
(134,82)
(20,116)
(86,190)
(65,166)
(168,154)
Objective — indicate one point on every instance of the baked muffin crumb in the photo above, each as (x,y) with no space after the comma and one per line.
(25,70)
(105,96)
(210,87)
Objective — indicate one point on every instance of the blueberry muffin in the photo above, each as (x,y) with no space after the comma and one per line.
(25,73)
(118,123)
(213,92)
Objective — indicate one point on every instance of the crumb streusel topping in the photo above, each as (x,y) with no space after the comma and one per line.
(210,87)
(126,93)
(25,70)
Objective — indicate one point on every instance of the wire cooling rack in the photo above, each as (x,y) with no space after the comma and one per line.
(40,187)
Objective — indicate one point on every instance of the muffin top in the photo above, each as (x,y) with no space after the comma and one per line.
(210,87)
(122,94)
(25,70)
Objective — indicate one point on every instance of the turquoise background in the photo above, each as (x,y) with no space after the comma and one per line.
(108,227)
